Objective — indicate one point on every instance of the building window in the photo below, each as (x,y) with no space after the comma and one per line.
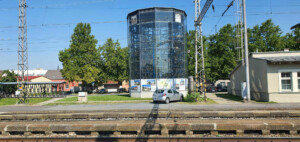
(67,86)
(286,84)
(298,75)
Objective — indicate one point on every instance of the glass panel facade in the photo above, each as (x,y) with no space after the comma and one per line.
(157,43)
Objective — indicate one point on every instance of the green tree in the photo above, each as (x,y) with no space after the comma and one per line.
(221,53)
(80,60)
(114,61)
(9,76)
(266,37)
(292,40)
(191,52)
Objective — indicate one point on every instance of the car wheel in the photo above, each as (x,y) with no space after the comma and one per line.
(167,100)
(181,99)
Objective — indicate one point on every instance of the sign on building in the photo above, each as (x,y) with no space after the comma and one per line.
(133,20)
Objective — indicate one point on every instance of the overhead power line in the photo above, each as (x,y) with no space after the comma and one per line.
(122,21)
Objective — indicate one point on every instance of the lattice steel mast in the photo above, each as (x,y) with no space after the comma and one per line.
(22,46)
(199,15)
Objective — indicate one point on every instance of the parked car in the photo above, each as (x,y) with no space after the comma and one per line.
(167,95)
(211,89)
(221,88)
(122,90)
(224,89)
(102,91)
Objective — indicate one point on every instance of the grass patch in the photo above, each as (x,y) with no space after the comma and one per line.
(12,101)
(69,99)
(104,98)
(95,103)
(267,102)
(115,98)
(230,97)
(209,101)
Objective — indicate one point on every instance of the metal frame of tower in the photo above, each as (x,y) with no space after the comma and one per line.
(239,32)
(22,50)
(198,34)
(199,15)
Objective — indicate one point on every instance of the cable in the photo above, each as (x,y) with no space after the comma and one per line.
(64,24)
(107,22)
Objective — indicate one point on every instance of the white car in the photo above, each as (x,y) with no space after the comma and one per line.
(167,95)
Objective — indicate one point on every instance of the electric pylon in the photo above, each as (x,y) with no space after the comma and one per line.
(22,51)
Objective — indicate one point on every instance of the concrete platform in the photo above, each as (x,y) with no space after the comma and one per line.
(153,127)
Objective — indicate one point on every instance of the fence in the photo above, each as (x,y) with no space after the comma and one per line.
(33,89)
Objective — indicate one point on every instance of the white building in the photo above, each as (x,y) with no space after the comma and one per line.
(274,76)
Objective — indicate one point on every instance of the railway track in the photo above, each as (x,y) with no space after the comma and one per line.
(220,126)
(145,139)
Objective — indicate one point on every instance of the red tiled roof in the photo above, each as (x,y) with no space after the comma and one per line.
(111,82)
(29,78)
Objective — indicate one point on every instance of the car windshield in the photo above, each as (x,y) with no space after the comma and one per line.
(159,91)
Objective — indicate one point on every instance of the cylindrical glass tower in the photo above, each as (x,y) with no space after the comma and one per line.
(157,50)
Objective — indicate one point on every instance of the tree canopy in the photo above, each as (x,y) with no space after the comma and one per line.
(80,60)
(9,76)
(114,61)
(221,54)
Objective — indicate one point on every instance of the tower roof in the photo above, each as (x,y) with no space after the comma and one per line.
(153,8)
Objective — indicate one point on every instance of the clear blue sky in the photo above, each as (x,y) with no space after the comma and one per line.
(51,22)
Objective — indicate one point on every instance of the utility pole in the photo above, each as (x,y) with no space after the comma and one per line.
(22,49)
(246,51)
(196,41)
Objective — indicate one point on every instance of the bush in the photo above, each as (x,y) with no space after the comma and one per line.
(191,97)
(194,97)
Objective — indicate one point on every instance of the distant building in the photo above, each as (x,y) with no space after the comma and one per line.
(35,72)
(111,86)
(274,76)
(35,88)
(52,76)
(55,76)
